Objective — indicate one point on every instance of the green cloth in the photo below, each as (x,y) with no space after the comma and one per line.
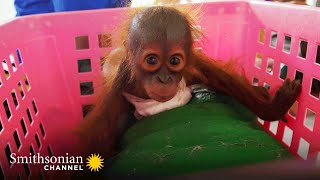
(212,131)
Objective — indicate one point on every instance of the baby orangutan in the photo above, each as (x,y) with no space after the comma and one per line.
(156,57)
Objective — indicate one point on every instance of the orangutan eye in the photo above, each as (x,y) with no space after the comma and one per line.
(175,60)
(152,60)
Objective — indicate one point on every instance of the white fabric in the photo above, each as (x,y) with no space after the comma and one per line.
(149,107)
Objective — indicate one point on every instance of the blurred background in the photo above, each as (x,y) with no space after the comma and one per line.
(8,11)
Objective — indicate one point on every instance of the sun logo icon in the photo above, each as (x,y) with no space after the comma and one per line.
(95,162)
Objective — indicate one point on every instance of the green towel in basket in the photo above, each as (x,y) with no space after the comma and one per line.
(212,131)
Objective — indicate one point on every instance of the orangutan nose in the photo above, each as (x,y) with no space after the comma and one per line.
(164,79)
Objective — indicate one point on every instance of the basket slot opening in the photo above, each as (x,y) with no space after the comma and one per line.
(19,56)
(13,63)
(86,109)
(82,42)
(294,109)
(283,71)
(287,44)
(19,178)
(309,119)
(105,40)
(303,149)
(7,109)
(26,82)
(26,169)
(287,136)
(5,68)
(270,66)
(86,88)
(274,127)
(273,39)
(315,88)
(318,55)
(262,36)
(1,173)
(258,60)
(1,127)
(14,98)
(42,130)
(34,106)
(16,139)
(38,141)
(261,121)
(267,86)
(299,76)
(84,65)
(29,116)
(255,81)
(20,89)
(8,153)
(41,176)
(49,151)
(303,48)
(31,150)
(24,128)
(102,61)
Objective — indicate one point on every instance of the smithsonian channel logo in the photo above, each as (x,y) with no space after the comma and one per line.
(60,163)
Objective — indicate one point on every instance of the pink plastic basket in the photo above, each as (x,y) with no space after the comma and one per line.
(41,81)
